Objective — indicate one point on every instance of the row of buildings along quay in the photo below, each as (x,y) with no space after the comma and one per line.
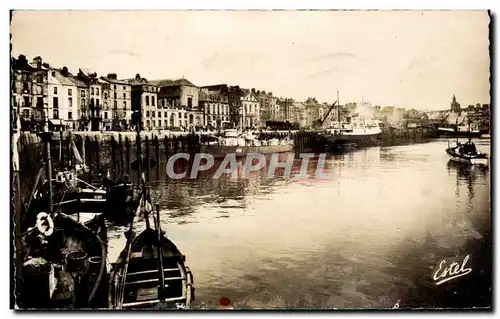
(86,101)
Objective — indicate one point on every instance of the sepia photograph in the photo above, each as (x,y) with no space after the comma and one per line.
(196,160)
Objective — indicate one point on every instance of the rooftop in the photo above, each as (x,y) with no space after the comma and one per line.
(171,82)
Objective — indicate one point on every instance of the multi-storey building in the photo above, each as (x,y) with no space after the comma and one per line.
(180,98)
(215,107)
(82,101)
(269,110)
(120,96)
(285,110)
(89,77)
(250,109)
(62,91)
(145,105)
(29,89)
(107,102)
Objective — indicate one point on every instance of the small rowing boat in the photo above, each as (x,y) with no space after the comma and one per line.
(150,272)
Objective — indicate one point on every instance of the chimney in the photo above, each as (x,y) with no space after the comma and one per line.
(64,71)
(112,76)
(38,62)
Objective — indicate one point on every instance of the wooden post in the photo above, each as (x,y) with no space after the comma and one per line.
(98,155)
(113,156)
(127,154)
(120,145)
(147,163)
(157,149)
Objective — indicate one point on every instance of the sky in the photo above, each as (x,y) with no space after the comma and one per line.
(411,59)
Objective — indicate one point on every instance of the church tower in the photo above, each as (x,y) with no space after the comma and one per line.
(455,106)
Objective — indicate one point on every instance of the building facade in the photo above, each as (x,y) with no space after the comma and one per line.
(215,107)
(30,89)
(250,109)
(180,98)
(145,105)
(121,101)
(62,92)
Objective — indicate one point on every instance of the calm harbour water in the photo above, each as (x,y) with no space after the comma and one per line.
(370,235)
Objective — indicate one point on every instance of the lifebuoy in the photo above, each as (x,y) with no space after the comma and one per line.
(44,224)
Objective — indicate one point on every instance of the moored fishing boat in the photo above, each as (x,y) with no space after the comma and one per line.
(467,154)
(63,260)
(243,144)
(150,271)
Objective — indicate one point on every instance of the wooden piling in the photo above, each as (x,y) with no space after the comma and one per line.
(147,163)
(157,153)
(97,155)
(120,146)
(113,157)
(127,155)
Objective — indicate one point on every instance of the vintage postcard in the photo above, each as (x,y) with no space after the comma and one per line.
(250,160)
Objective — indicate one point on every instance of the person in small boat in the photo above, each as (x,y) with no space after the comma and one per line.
(468,149)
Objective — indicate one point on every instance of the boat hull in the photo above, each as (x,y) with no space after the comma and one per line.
(219,151)
(358,139)
(480,160)
(134,280)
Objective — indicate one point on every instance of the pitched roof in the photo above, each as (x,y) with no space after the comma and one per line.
(78,82)
(64,80)
(170,82)
(114,81)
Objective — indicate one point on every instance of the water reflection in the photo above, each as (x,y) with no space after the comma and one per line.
(368,235)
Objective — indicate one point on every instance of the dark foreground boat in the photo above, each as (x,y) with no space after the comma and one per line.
(62,261)
(467,154)
(64,264)
(150,272)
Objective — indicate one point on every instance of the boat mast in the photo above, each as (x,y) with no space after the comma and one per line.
(46,137)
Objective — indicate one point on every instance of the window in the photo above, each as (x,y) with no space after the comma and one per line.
(105,95)
(147,100)
(26,114)
(124,96)
(39,89)
(55,89)
(39,101)
(159,114)
(70,115)
(115,95)
(39,78)
(124,104)
(70,92)
(56,114)
(25,86)
(53,73)
(147,113)
(55,102)
(92,91)
(105,115)
(116,104)
(153,113)
(185,115)
(153,101)
(147,123)
(97,91)
(70,102)
(190,102)
(27,101)
(83,102)
(115,86)
(159,122)
(165,114)
(124,89)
